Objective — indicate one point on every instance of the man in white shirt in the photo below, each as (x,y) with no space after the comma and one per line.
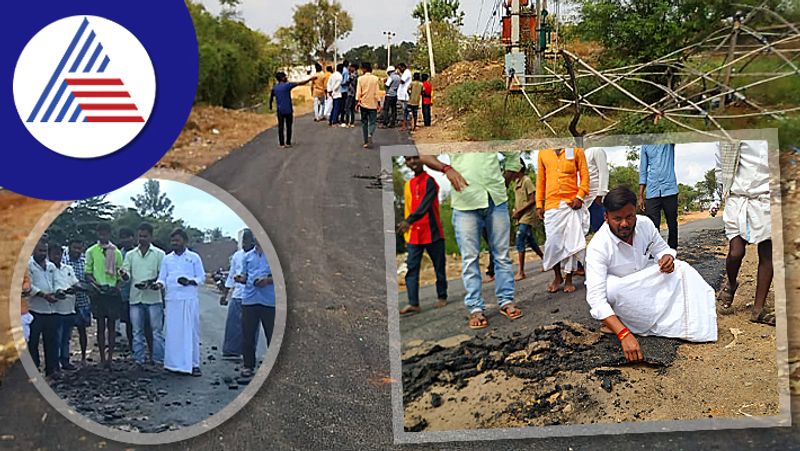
(634,285)
(41,305)
(597,163)
(65,285)
(335,90)
(743,171)
(402,92)
(181,274)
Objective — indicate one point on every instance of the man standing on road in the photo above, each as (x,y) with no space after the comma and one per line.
(350,107)
(282,92)
(258,304)
(480,200)
(658,187)
(368,98)
(524,213)
(390,99)
(562,182)
(427,99)
(140,269)
(126,243)
(232,345)
(103,262)
(423,231)
(403,92)
(743,171)
(597,163)
(634,285)
(335,90)
(345,89)
(181,274)
(65,285)
(83,308)
(41,303)
(319,92)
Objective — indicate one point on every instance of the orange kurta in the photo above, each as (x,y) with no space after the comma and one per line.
(560,179)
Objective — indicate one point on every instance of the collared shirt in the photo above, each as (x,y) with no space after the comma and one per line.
(392,85)
(353,85)
(256,266)
(79,265)
(335,85)
(415,96)
(345,81)
(482,172)
(561,177)
(320,85)
(427,93)
(405,82)
(597,162)
(607,255)
(96,265)
(173,267)
(237,261)
(141,268)
(41,284)
(657,170)
(368,91)
(751,177)
(64,278)
(523,189)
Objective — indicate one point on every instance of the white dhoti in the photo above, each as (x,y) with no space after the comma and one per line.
(748,217)
(566,230)
(182,335)
(676,305)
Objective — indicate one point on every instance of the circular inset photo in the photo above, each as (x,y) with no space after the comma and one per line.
(150,314)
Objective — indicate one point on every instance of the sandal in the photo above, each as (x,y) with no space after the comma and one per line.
(510,312)
(765,316)
(478,321)
(726,298)
(440,303)
(410,309)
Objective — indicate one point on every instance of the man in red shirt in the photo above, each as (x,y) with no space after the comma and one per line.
(427,99)
(423,231)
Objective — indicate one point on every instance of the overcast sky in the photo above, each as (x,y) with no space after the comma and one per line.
(370,18)
(196,207)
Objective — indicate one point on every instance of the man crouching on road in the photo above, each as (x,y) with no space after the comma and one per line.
(635,285)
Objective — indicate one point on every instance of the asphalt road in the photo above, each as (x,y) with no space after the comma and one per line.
(326,390)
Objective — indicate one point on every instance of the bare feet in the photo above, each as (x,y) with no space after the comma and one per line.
(440,303)
(487,278)
(554,286)
(410,309)
(569,288)
(519,276)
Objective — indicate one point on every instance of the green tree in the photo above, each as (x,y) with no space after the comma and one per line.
(447,11)
(318,25)
(230,9)
(627,176)
(687,197)
(214,234)
(446,38)
(80,220)
(153,203)
(290,51)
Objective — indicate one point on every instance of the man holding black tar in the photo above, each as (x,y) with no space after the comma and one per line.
(634,284)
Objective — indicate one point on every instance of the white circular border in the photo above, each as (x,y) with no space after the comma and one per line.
(224,414)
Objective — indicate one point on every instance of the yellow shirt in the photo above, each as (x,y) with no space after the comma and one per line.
(557,177)
(320,85)
(368,91)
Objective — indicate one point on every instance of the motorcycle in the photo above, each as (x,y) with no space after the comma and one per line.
(714,211)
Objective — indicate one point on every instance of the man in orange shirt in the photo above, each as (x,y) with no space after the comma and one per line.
(562,182)
(367,98)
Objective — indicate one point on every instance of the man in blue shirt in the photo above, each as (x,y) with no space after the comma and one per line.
(282,92)
(658,187)
(345,90)
(258,304)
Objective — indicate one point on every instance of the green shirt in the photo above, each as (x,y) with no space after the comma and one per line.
(523,188)
(96,265)
(482,172)
(141,268)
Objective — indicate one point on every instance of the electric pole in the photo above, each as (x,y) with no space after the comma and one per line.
(389,35)
(335,38)
(430,42)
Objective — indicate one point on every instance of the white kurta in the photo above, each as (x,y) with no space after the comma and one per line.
(747,208)
(625,280)
(597,164)
(566,230)
(182,310)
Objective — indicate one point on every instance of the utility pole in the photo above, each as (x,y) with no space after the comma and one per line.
(430,42)
(515,25)
(335,39)
(389,35)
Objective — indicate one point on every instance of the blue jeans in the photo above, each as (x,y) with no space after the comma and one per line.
(525,238)
(233,330)
(468,225)
(155,313)
(64,336)
(414,261)
(337,110)
(369,122)
(426,115)
(596,219)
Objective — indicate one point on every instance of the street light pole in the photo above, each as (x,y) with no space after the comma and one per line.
(335,38)
(430,43)
(389,35)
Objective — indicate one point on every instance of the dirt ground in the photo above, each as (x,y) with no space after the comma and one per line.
(679,381)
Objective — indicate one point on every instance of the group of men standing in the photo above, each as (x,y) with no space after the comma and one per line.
(339,92)
(154,293)
(634,283)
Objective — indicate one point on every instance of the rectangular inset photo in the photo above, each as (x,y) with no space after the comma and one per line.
(636,284)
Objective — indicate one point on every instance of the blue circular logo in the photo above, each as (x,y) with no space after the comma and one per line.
(93,94)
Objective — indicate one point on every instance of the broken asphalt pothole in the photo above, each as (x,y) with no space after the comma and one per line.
(551,376)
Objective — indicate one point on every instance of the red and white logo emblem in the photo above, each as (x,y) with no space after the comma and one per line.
(84,86)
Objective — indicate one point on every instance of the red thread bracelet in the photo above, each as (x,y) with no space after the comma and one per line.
(446,168)
(623,333)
